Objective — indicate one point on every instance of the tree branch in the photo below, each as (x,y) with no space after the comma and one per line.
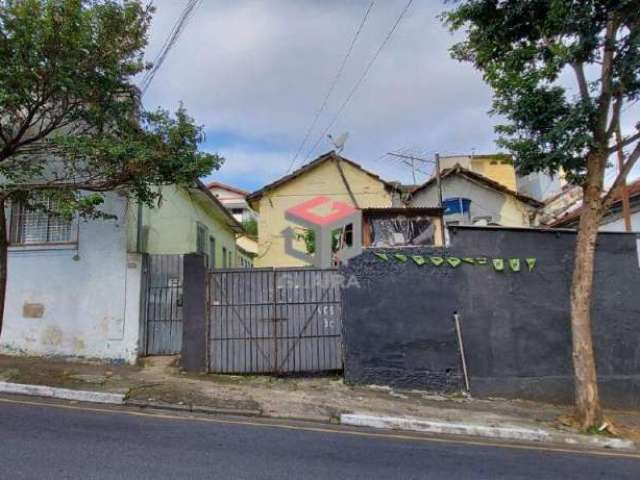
(578,67)
(625,142)
(606,93)
(622,175)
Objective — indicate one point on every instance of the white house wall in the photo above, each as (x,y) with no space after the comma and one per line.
(485,202)
(76,301)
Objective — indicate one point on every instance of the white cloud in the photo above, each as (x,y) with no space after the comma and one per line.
(260,69)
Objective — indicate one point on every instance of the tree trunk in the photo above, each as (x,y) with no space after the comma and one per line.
(4,244)
(588,410)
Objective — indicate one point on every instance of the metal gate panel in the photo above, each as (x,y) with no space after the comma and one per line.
(274,321)
(163,305)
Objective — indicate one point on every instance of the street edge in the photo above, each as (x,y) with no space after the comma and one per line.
(537,435)
(62,393)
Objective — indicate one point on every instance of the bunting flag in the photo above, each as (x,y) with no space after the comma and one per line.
(454,261)
(419,259)
(498,264)
(437,261)
(514,263)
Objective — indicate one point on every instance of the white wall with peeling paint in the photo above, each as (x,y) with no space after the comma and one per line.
(77,300)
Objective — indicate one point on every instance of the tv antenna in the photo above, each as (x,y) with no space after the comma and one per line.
(339,142)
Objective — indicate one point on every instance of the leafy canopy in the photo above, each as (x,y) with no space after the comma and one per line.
(71,123)
(561,72)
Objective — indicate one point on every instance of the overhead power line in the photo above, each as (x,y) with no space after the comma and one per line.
(361,79)
(331,87)
(169,42)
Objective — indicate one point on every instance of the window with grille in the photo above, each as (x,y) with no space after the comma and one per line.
(37,227)
(201,241)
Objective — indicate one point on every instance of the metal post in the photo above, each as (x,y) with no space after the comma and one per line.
(275,322)
(442,223)
(456,319)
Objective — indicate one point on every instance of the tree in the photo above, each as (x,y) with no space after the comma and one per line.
(71,125)
(562,73)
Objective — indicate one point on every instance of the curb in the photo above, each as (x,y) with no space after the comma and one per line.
(538,435)
(193,408)
(62,393)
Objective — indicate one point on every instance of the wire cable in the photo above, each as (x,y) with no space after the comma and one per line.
(169,42)
(331,87)
(361,79)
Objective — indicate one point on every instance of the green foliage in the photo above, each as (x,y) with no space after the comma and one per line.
(251,227)
(72,126)
(528,49)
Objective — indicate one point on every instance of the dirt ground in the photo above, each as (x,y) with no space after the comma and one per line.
(159,380)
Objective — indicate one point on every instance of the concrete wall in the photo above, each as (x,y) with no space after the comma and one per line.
(503,209)
(322,180)
(617,224)
(78,300)
(171,228)
(516,325)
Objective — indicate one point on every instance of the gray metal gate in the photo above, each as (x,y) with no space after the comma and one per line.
(275,321)
(162,304)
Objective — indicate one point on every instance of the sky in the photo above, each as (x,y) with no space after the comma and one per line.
(255,73)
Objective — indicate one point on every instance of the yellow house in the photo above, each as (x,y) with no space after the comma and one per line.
(330,175)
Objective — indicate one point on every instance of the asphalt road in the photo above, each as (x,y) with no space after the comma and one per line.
(41,441)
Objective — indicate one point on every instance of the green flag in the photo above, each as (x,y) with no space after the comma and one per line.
(454,261)
(437,261)
(400,257)
(382,256)
(531,262)
(514,263)
(498,264)
(419,259)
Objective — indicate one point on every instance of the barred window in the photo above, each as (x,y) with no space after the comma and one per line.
(201,241)
(37,227)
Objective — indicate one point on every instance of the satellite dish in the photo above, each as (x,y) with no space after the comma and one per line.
(339,142)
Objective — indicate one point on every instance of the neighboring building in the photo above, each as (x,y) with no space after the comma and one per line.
(613,220)
(74,288)
(540,186)
(470,198)
(497,167)
(330,175)
(188,220)
(234,199)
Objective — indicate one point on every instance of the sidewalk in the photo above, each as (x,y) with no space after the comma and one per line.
(160,383)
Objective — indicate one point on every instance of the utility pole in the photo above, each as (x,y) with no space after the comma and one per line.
(443,227)
(624,193)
